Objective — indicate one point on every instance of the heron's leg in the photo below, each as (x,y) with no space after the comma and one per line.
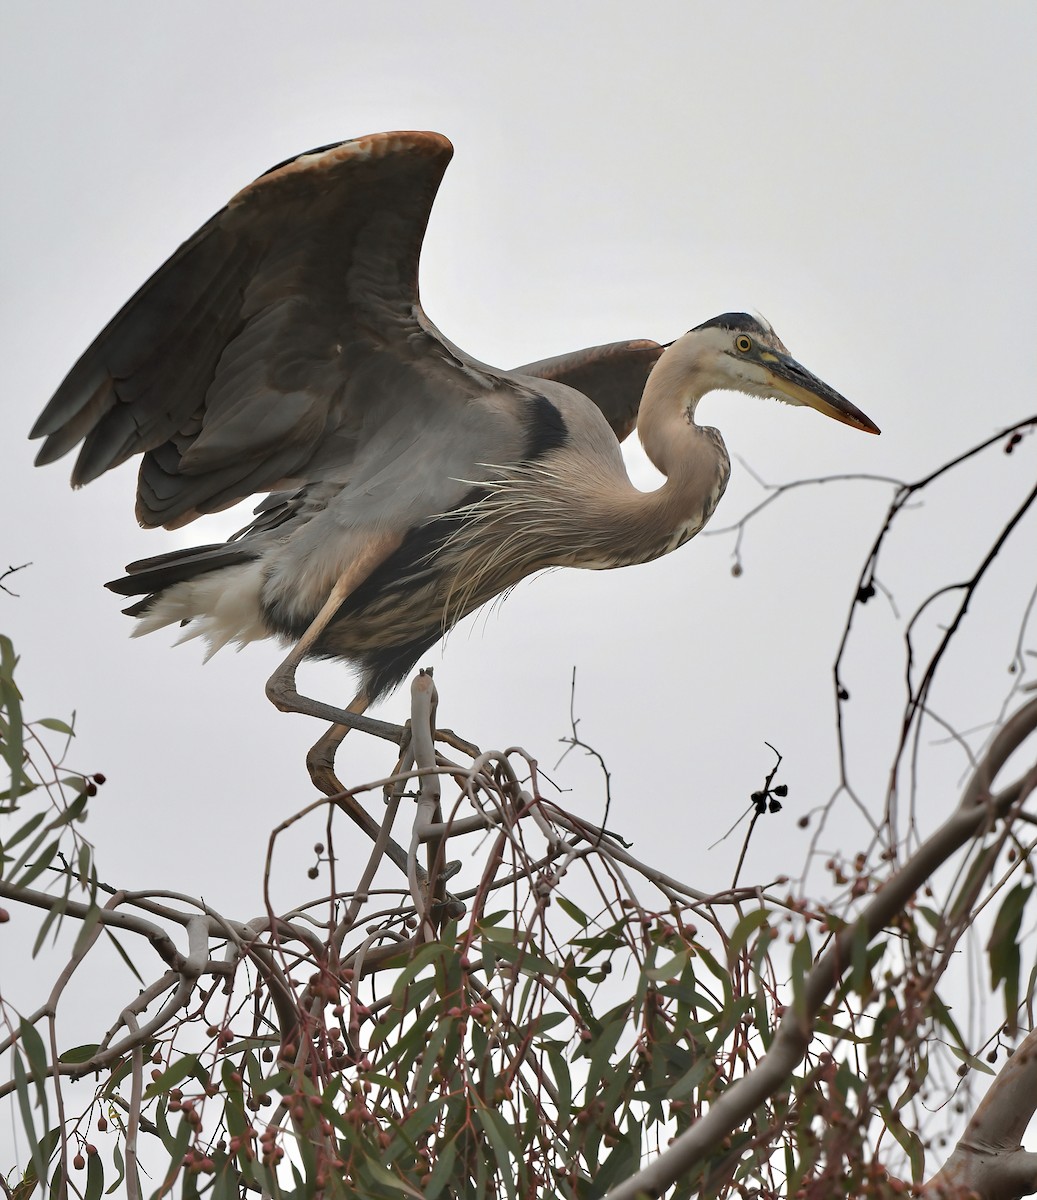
(280,687)
(320,760)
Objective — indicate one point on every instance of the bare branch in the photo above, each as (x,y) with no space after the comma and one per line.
(7,574)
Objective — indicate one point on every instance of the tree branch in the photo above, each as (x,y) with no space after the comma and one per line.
(989,1160)
(976,812)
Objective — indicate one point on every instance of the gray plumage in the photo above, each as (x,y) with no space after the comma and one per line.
(283,349)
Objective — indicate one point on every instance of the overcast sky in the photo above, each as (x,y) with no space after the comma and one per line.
(862,174)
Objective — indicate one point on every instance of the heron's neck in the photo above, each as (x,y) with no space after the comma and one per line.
(666,417)
(692,458)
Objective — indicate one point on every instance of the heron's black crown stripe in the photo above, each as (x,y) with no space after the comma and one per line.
(740,321)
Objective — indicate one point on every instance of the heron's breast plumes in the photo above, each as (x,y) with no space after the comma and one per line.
(559,512)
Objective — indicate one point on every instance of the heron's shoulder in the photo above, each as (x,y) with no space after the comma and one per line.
(559,419)
(578,410)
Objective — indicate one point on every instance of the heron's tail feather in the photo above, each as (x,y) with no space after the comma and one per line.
(149,576)
(214,591)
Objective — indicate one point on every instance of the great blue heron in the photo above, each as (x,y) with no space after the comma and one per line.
(283,349)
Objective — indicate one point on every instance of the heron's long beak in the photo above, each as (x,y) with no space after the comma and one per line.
(801,387)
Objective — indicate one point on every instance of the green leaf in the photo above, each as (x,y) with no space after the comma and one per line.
(751,923)
(24,831)
(432,953)
(860,975)
(439,1176)
(29,850)
(499,933)
(225,1182)
(942,1014)
(669,970)
(12,745)
(175,1144)
(56,725)
(762,1018)
(72,812)
(713,966)
(430,1049)
(386,1177)
(971,1060)
(545,1022)
(35,1051)
(702,1070)
(84,861)
(125,957)
(802,960)
(120,1168)
(119,1071)
(21,1086)
(25,786)
(563,1081)
(910,1143)
(261,1084)
(39,866)
(27,1185)
(733,1015)
(55,914)
(571,911)
(94,1177)
(86,931)
(1003,950)
(603,1047)
(410,1042)
(188,1065)
(506,1152)
(524,960)
(79,1054)
(931,915)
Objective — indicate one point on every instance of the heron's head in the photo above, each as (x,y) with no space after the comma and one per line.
(737,352)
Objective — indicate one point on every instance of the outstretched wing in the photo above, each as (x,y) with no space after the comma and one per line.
(256,353)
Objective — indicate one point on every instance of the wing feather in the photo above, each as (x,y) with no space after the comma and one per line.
(226,369)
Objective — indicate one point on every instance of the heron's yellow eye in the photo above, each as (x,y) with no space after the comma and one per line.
(743,343)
